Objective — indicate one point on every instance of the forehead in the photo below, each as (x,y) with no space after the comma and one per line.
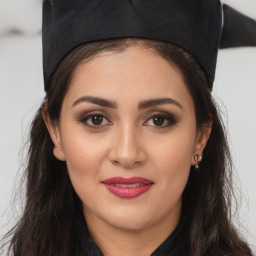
(136,73)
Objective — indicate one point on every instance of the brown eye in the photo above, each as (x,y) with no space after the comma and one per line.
(161,120)
(97,120)
(158,120)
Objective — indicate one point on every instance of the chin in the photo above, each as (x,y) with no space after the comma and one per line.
(127,219)
(129,224)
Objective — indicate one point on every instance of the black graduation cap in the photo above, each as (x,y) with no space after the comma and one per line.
(194,25)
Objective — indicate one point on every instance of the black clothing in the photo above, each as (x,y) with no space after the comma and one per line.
(175,245)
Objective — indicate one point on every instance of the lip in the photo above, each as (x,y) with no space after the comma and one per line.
(127,187)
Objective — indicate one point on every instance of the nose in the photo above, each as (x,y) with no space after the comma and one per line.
(127,149)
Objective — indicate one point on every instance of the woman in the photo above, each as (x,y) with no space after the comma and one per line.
(128,154)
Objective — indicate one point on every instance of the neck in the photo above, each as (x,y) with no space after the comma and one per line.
(114,241)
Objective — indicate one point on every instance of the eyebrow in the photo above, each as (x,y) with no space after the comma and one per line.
(155,102)
(96,100)
(111,104)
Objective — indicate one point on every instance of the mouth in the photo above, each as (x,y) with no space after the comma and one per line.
(128,187)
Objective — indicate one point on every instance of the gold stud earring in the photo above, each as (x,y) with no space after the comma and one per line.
(198,158)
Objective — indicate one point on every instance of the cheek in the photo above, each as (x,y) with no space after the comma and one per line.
(79,156)
(172,159)
(84,157)
(84,165)
(175,150)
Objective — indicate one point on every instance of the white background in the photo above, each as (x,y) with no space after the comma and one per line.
(21,91)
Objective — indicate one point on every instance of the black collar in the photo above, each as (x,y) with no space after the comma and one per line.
(176,244)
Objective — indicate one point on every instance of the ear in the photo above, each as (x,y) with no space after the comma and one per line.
(202,137)
(54,132)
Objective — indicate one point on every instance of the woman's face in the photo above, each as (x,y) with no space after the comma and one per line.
(127,132)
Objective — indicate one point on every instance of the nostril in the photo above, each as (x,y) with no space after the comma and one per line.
(115,162)
(127,152)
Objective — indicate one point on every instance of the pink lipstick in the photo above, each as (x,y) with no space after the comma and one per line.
(127,187)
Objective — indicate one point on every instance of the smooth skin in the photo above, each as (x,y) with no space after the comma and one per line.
(129,138)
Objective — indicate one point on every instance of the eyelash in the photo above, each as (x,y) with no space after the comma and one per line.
(167,117)
(85,119)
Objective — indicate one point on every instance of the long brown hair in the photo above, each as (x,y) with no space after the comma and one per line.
(53,221)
